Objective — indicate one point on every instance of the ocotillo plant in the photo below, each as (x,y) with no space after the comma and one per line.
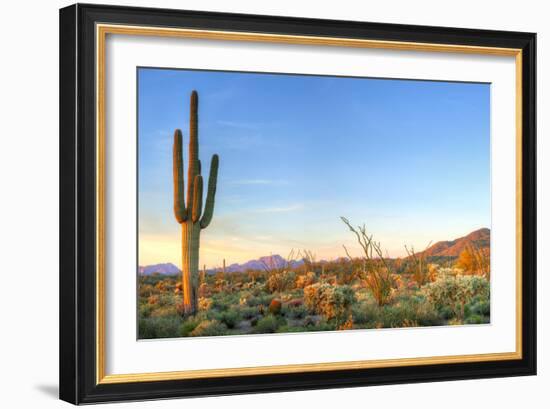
(190,215)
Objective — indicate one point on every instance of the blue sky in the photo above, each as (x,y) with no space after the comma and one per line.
(410,159)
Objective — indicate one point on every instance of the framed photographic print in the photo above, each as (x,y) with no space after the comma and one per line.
(258,203)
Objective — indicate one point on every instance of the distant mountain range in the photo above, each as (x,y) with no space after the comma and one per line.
(163,268)
(480,238)
(273,261)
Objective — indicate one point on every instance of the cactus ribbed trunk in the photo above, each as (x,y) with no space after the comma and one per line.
(190,239)
(190,213)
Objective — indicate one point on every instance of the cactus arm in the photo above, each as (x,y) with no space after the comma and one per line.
(193,147)
(177,162)
(211,194)
(197,198)
(200,167)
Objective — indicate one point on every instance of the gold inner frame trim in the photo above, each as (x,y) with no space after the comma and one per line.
(101,33)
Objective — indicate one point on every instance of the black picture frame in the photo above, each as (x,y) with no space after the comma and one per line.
(78,361)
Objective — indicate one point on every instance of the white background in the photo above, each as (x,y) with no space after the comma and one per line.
(29,203)
(125,355)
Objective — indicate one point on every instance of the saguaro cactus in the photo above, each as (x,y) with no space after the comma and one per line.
(191,215)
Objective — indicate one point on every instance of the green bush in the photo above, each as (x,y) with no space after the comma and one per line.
(189,326)
(446,312)
(286,328)
(281,281)
(408,313)
(146,290)
(159,327)
(163,311)
(261,299)
(331,301)
(248,312)
(209,328)
(223,301)
(145,310)
(475,319)
(481,307)
(230,318)
(456,292)
(323,325)
(267,324)
(364,313)
(298,312)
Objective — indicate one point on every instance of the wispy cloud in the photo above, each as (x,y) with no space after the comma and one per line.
(240,124)
(246,182)
(282,209)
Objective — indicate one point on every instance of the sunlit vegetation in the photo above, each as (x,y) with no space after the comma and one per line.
(367,292)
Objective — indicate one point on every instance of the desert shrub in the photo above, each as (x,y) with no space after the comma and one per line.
(159,327)
(448,271)
(475,319)
(359,314)
(209,328)
(310,320)
(205,304)
(348,324)
(416,312)
(393,317)
(331,279)
(214,314)
(221,285)
(280,281)
(153,299)
(347,277)
(146,290)
(475,260)
(161,286)
(189,326)
(163,311)
(223,301)
(230,318)
(146,329)
(262,299)
(446,312)
(267,324)
(248,312)
(427,316)
(204,290)
(286,328)
(145,310)
(418,267)
(376,268)
(456,292)
(303,280)
(381,283)
(161,300)
(333,302)
(323,325)
(275,306)
(364,313)
(292,312)
(480,307)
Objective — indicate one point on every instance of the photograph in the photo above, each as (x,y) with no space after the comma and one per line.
(282,203)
